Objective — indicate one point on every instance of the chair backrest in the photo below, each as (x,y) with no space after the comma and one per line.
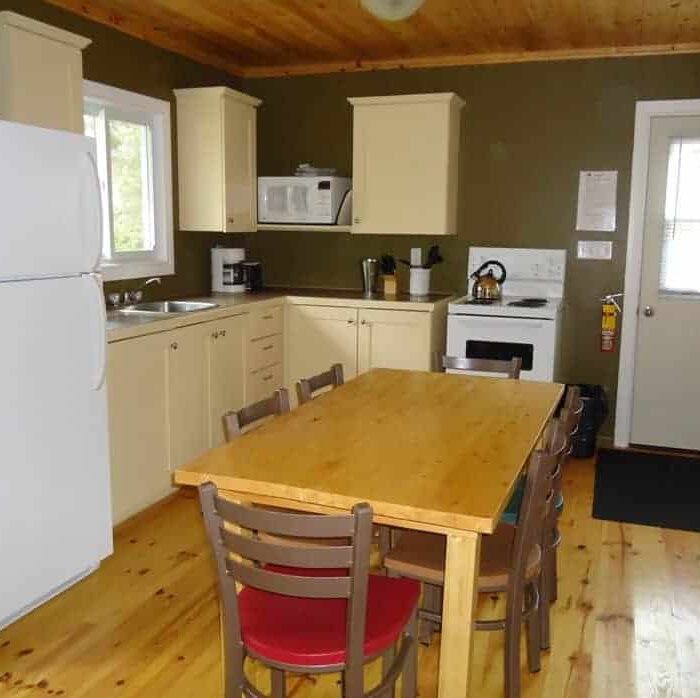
(510,368)
(534,512)
(242,556)
(306,387)
(236,421)
(558,444)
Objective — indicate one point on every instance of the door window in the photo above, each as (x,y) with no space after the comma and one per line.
(681,235)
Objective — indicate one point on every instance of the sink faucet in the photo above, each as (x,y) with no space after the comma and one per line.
(137,295)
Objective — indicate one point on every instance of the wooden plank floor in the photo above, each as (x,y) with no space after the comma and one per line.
(627,623)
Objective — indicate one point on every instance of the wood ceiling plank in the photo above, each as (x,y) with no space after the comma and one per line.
(284,37)
(236,27)
(142,26)
(471,59)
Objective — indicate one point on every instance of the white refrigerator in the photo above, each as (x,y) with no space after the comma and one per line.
(55,518)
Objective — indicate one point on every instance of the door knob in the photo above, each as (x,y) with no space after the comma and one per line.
(648,311)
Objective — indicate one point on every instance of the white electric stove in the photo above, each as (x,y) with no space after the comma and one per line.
(525,322)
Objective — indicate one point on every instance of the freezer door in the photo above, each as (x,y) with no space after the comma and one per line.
(55,519)
(50,210)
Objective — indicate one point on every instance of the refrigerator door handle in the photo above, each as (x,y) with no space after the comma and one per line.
(101,334)
(95,178)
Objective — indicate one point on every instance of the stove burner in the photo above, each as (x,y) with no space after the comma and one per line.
(481,301)
(529,303)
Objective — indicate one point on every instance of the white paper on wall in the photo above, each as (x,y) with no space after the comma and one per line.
(597,200)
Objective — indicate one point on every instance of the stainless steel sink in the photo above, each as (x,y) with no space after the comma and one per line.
(167,307)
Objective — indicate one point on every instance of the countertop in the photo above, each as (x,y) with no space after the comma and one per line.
(127,326)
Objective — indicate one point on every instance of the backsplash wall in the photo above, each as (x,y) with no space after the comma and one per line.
(527,130)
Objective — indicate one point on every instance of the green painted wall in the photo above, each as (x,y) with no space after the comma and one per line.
(119,60)
(527,130)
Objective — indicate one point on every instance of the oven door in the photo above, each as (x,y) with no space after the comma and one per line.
(503,338)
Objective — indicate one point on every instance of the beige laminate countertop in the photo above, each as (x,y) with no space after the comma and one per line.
(122,326)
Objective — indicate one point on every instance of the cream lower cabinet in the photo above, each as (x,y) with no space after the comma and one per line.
(188,398)
(139,417)
(167,394)
(394,339)
(318,336)
(359,339)
(227,367)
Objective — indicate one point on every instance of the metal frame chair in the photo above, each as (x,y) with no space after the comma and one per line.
(306,387)
(237,420)
(278,580)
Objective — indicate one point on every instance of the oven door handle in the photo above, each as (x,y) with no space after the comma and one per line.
(501,322)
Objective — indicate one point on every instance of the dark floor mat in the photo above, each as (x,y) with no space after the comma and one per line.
(652,489)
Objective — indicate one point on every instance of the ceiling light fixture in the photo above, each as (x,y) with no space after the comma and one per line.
(392,10)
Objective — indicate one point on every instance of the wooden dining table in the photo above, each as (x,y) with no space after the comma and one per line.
(428,451)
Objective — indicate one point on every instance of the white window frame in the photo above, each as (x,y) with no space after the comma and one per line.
(155,112)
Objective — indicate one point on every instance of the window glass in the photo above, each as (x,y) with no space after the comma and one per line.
(681,235)
(132,210)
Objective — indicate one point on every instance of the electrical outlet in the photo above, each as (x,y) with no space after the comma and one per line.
(595,249)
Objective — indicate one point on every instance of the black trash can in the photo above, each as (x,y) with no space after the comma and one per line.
(595,412)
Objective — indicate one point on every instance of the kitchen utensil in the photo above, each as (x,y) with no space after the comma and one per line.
(370,275)
(434,257)
(486,286)
(388,264)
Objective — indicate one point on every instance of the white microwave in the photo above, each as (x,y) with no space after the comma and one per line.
(307,200)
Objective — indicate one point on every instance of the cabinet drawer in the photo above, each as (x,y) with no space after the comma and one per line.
(263,382)
(264,352)
(265,322)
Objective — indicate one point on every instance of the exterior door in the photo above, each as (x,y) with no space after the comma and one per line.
(394,339)
(667,382)
(317,337)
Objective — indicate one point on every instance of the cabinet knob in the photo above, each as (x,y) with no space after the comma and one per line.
(364,322)
(356,220)
(229,219)
(267,378)
(173,346)
(351,322)
(214,335)
(223,333)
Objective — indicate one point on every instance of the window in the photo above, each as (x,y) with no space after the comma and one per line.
(681,235)
(132,134)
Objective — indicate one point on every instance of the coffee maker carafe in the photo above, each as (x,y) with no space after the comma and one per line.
(227,271)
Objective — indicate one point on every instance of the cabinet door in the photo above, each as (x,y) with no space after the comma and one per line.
(137,385)
(240,173)
(188,382)
(227,372)
(318,337)
(41,80)
(394,339)
(405,157)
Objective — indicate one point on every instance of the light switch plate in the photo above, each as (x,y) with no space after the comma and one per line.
(595,249)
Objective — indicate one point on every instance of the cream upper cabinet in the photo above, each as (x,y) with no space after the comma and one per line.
(137,382)
(317,337)
(41,74)
(188,392)
(216,153)
(405,164)
(394,339)
(226,341)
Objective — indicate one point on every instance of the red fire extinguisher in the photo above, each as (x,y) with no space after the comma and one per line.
(608,325)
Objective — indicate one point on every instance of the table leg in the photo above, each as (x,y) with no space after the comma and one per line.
(460,593)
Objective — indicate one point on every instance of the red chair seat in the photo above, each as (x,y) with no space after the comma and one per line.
(312,632)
